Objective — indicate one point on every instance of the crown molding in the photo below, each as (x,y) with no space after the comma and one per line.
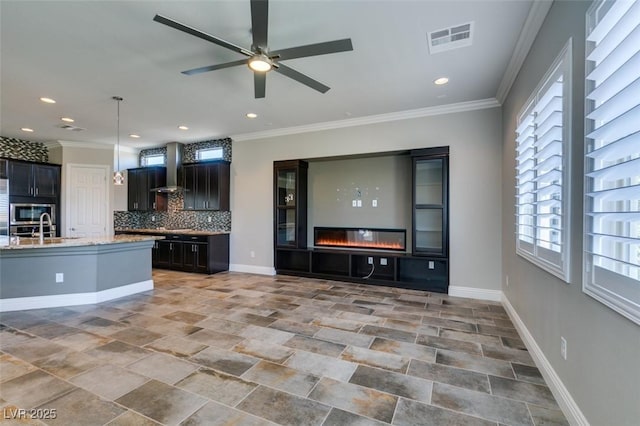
(371,119)
(535,18)
(89,145)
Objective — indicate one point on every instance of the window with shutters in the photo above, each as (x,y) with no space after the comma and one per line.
(542,171)
(612,156)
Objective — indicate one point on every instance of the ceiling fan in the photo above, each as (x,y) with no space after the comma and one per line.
(260,58)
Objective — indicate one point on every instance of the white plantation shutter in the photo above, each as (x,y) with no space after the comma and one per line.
(612,159)
(542,144)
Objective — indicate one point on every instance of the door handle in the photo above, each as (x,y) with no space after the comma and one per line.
(170,246)
(72,229)
(37,190)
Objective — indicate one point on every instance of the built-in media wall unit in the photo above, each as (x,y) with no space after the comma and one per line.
(379,219)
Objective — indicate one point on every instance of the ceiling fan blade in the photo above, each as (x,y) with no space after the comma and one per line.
(259,22)
(301,78)
(325,48)
(259,82)
(197,33)
(215,67)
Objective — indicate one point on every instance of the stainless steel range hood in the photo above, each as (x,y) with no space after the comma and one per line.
(174,160)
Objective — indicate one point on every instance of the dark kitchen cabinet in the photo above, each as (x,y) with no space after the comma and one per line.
(206,185)
(195,256)
(140,181)
(34,179)
(4,168)
(206,254)
(167,254)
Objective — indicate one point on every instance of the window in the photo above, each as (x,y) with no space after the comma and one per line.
(153,160)
(209,154)
(612,156)
(542,171)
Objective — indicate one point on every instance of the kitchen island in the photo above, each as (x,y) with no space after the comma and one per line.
(73,271)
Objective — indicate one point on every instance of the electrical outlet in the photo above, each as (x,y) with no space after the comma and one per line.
(153,218)
(563,348)
(359,203)
(370,260)
(354,203)
(252,253)
(431,264)
(374,203)
(383,261)
(209,219)
(59,277)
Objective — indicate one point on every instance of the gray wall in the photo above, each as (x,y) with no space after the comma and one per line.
(602,372)
(333,185)
(475,146)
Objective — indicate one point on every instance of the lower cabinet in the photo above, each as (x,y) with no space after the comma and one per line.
(391,269)
(206,254)
(167,254)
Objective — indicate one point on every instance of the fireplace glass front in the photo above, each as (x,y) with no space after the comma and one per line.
(360,238)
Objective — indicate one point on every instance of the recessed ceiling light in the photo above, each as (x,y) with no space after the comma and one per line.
(133,135)
(67,119)
(48,100)
(183,128)
(26,129)
(440,81)
(252,115)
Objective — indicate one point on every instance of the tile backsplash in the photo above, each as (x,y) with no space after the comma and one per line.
(174,218)
(23,150)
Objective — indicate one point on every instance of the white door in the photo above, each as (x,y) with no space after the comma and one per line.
(87,200)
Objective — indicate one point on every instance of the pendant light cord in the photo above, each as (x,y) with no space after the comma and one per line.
(118,99)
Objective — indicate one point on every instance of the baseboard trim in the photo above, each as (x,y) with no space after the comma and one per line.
(252,269)
(568,405)
(73,299)
(475,293)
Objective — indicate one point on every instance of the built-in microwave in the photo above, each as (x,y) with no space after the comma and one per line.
(21,214)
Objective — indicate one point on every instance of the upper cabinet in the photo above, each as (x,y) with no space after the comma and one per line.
(34,179)
(290,203)
(430,201)
(4,168)
(206,185)
(140,181)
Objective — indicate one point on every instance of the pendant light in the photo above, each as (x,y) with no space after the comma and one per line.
(118,177)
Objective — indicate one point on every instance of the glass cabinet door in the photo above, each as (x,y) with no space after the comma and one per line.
(287,188)
(429,236)
(429,209)
(286,208)
(286,227)
(429,182)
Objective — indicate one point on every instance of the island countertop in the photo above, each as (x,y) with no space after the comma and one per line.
(34,243)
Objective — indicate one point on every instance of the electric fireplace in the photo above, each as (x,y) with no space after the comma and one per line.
(360,238)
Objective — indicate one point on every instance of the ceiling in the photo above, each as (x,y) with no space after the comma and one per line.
(81,53)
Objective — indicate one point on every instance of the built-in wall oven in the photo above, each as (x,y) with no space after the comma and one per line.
(24,218)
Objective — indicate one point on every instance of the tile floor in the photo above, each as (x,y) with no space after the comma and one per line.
(253,350)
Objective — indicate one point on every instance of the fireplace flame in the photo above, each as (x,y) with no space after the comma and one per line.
(361,244)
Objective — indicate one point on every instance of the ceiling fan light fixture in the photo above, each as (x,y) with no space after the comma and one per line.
(260,63)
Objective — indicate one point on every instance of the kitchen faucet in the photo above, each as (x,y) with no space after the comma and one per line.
(42,216)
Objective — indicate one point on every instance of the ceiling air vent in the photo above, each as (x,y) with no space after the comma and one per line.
(70,127)
(450,38)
